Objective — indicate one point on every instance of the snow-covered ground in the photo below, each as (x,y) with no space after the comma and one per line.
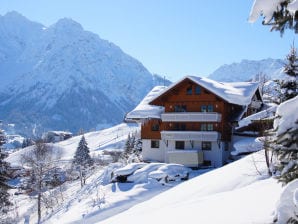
(108,139)
(235,193)
(240,192)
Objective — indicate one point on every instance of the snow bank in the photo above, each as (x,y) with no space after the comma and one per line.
(287,206)
(142,172)
(247,145)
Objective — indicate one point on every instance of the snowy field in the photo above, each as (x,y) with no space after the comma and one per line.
(240,192)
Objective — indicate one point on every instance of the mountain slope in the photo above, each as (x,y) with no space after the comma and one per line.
(248,69)
(63,77)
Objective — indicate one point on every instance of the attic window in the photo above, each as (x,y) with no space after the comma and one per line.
(189,90)
(198,90)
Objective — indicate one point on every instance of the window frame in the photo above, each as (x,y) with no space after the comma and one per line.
(205,144)
(155,144)
(180,108)
(179,147)
(189,90)
(198,90)
(155,127)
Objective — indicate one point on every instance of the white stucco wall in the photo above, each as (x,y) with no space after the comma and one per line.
(216,155)
(153,154)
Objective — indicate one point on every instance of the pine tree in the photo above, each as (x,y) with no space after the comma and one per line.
(82,156)
(4,196)
(82,160)
(289,86)
(285,146)
(282,19)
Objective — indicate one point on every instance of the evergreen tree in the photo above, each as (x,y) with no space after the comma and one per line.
(285,144)
(132,149)
(82,160)
(82,156)
(289,86)
(4,196)
(282,19)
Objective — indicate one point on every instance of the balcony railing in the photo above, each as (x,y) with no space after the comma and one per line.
(191,117)
(190,135)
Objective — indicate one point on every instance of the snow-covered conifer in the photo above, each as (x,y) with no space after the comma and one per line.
(82,160)
(289,86)
(285,146)
(4,196)
(279,14)
(82,156)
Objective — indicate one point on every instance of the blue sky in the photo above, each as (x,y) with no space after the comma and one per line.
(173,38)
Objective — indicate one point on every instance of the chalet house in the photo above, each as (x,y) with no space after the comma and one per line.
(191,122)
(56,136)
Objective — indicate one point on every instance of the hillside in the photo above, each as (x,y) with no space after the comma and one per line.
(240,192)
(62,77)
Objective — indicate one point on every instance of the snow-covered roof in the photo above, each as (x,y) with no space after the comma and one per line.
(268,113)
(239,93)
(144,110)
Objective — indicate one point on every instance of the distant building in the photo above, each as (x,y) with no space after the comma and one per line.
(191,122)
(56,136)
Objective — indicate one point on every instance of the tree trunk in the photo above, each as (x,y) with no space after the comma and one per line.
(39,207)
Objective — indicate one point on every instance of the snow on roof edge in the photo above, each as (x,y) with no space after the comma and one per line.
(214,86)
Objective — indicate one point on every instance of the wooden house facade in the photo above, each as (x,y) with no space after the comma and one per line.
(196,124)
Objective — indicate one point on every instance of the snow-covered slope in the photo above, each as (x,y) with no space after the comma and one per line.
(63,77)
(235,193)
(248,69)
(108,139)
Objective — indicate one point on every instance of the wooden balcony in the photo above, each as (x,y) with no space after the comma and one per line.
(191,117)
(190,135)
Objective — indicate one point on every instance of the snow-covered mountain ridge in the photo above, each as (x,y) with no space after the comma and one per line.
(63,77)
(248,69)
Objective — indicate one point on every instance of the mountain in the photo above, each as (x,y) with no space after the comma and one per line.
(247,69)
(65,78)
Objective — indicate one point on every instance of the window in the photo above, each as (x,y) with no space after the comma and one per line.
(207,163)
(203,108)
(179,127)
(189,90)
(198,90)
(209,127)
(179,145)
(155,144)
(180,108)
(210,108)
(203,127)
(206,145)
(155,127)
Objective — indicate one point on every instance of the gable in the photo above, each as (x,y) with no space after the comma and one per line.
(239,93)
